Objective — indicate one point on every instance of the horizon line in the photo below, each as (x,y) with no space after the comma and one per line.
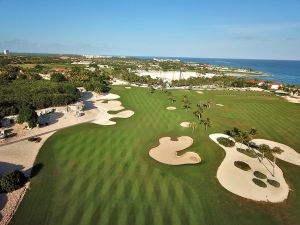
(150,56)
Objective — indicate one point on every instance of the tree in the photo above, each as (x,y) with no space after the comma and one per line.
(28,114)
(152,89)
(199,112)
(186,103)
(275,150)
(206,122)
(264,149)
(12,181)
(172,99)
(193,125)
(57,77)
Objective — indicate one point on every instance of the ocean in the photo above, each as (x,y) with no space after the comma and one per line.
(285,71)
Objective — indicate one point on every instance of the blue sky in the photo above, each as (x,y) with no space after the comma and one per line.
(265,29)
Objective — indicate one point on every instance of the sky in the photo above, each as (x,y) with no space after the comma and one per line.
(250,29)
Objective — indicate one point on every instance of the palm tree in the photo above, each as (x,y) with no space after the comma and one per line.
(172,99)
(206,122)
(193,125)
(275,150)
(264,149)
(208,103)
(199,112)
(152,89)
(187,105)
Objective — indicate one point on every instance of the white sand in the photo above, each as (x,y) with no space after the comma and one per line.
(289,155)
(199,92)
(104,117)
(171,108)
(185,124)
(128,87)
(167,150)
(168,75)
(220,105)
(240,182)
(109,96)
(292,99)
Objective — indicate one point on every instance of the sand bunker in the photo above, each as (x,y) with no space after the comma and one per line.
(240,182)
(171,108)
(199,92)
(104,117)
(288,154)
(108,96)
(185,124)
(292,99)
(128,87)
(167,150)
(219,105)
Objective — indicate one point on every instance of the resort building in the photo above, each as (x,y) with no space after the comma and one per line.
(275,85)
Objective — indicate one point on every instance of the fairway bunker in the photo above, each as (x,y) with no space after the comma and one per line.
(167,151)
(220,105)
(171,108)
(241,183)
(113,105)
(185,124)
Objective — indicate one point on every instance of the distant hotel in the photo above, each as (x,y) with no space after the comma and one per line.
(6,52)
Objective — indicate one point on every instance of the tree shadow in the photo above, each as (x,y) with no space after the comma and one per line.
(34,171)
(50,118)
(3,201)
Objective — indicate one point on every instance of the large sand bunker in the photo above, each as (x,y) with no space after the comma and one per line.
(167,150)
(288,154)
(199,92)
(104,117)
(108,96)
(240,182)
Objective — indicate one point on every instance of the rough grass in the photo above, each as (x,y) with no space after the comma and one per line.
(242,165)
(225,142)
(273,183)
(103,174)
(248,152)
(259,183)
(260,175)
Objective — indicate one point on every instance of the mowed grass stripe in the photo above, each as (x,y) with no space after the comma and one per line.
(104,175)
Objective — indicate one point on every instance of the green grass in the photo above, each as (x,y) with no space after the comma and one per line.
(260,175)
(242,165)
(248,152)
(259,183)
(273,183)
(103,174)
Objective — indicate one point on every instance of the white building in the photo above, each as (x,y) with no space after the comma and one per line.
(6,52)
(275,86)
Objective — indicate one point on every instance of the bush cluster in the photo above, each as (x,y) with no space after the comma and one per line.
(226,142)
(12,181)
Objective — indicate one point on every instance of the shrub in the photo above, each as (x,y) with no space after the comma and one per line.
(274,183)
(12,181)
(242,165)
(225,142)
(259,175)
(259,183)
(248,152)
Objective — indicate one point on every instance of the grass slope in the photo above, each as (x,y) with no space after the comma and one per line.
(103,175)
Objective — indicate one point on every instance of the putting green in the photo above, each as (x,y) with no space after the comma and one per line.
(103,175)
